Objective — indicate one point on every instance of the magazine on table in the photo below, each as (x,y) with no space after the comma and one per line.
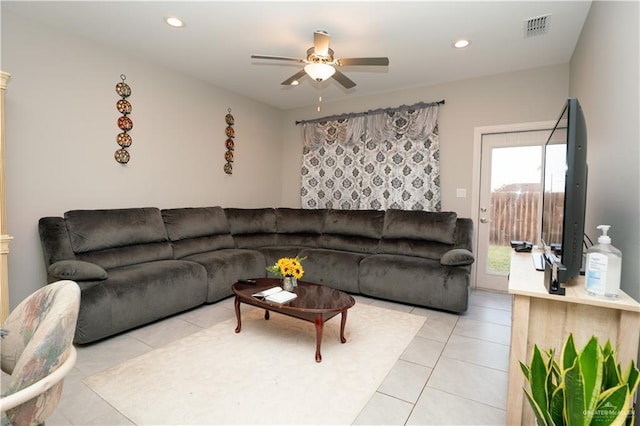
(275,295)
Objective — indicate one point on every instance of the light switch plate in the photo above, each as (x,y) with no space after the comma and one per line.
(461,193)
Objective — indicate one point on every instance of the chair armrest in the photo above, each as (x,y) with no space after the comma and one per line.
(23,395)
(457,257)
(77,270)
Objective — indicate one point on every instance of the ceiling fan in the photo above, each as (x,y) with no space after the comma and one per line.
(321,64)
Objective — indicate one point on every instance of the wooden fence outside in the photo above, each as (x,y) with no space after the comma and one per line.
(514,216)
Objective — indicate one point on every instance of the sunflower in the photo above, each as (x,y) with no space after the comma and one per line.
(288,267)
(296,268)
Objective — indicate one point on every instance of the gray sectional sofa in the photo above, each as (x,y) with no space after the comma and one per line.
(135,266)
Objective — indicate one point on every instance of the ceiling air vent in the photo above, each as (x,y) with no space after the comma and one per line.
(537,26)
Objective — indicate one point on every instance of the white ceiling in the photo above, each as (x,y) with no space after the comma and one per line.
(219,38)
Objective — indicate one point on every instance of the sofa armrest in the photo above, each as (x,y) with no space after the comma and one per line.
(77,270)
(457,257)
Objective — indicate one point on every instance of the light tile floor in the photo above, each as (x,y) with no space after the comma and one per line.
(454,372)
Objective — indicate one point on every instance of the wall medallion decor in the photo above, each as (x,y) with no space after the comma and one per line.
(229,144)
(124,123)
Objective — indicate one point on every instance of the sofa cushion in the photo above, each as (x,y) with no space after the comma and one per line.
(420,225)
(335,268)
(77,270)
(195,222)
(361,223)
(299,221)
(91,230)
(416,281)
(251,221)
(225,267)
(138,294)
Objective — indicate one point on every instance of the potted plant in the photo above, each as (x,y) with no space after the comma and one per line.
(584,388)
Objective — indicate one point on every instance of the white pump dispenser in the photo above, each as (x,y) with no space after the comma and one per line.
(604,267)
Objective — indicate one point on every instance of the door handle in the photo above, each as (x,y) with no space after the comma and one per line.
(484,220)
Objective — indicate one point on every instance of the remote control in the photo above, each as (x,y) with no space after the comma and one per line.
(247,281)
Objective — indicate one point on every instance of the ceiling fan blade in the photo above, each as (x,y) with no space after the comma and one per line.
(278,58)
(321,43)
(362,61)
(296,77)
(344,80)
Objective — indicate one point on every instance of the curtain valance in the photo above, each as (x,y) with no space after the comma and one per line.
(415,121)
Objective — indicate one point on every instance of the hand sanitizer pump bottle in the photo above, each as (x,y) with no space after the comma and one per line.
(604,266)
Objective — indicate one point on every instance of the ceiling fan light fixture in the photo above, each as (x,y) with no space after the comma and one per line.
(319,71)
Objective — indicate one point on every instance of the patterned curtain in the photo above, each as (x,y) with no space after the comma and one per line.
(384,159)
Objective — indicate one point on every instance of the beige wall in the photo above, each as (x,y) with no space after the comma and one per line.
(61,128)
(519,97)
(61,136)
(605,78)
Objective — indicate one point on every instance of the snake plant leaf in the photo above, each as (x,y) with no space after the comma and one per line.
(591,369)
(556,406)
(556,370)
(574,401)
(612,408)
(569,353)
(632,377)
(538,378)
(611,376)
(541,419)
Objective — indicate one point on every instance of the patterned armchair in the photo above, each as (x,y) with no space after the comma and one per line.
(37,352)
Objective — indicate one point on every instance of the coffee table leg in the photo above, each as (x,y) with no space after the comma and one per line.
(266,314)
(237,306)
(319,328)
(343,322)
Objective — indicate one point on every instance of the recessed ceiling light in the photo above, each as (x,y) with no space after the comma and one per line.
(174,21)
(461,44)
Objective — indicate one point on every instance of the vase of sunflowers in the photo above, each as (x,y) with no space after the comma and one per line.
(289,269)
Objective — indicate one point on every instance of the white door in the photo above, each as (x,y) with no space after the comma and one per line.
(509,194)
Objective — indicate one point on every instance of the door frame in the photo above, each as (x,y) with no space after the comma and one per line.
(478,132)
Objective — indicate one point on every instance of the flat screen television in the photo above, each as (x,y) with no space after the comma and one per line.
(564,195)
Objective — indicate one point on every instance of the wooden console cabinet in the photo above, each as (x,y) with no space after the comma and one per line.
(546,320)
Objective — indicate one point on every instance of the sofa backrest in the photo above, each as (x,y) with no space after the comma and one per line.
(299,227)
(252,228)
(352,230)
(118,237)
(419,233)
(195,230)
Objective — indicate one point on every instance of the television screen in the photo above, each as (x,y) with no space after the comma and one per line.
(565,190)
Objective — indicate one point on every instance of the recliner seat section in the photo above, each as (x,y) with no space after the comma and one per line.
(136,266)
(124,265)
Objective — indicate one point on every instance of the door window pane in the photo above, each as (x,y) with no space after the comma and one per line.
(515,194)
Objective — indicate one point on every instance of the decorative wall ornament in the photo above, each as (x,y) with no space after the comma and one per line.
(124,123)
(229,144)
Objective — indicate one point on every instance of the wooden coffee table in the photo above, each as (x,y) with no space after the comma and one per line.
(315,303)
